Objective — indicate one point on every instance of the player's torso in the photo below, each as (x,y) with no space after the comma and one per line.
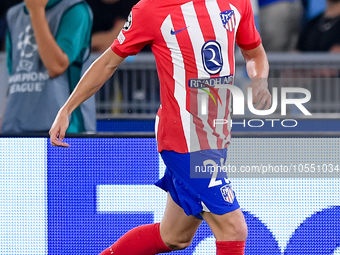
(194,50)
(197,36)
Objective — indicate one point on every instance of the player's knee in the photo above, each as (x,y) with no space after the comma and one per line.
(238,230)
(241,231)
(179,243)
(231,228)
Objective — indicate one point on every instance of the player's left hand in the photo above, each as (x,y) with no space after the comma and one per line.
(260,94)
(58,130)
(35,4)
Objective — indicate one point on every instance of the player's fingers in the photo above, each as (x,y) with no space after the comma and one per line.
(257,96)
(53,136)
(261,104)
(268,100)
(61,135)
(57,136)
(254,92)
(268,104)
(60,144)
(265,102)
(56,142)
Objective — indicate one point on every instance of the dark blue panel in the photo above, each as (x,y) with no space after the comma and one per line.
(106,160)
(118,125)
(74,226)
(260,238)
(319,234)
(303,125)
(73,173)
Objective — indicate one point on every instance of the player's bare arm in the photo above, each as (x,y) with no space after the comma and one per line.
(100,71)
(258,69)
(53,57)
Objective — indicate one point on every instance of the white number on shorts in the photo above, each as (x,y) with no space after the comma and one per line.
(213,181)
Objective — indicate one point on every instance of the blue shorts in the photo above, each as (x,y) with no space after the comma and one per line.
(196,182)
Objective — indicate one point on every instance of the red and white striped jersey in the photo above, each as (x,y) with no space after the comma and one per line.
(193,43)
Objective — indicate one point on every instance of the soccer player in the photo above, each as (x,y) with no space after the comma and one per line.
(193,43)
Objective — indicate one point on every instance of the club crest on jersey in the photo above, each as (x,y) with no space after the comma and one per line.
(228,19)
(227,193)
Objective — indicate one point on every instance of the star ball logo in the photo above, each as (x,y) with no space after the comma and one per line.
(27,43)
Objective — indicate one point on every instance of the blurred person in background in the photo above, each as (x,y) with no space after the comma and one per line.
(4,6)
(2,24)
(109,17)
(279,24)
(312,8)
(47,45)
(255,6)
(323,32)
(2,29)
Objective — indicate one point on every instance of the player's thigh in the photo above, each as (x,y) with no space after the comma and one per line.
(227,227)
(177,229)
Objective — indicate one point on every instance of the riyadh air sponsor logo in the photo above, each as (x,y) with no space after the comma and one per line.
(205,84)
(214,91)
(212,57)
(173,32)
(228,20)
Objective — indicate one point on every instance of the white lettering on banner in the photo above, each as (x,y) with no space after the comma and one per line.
(28,77)
(137,198)
(25,87)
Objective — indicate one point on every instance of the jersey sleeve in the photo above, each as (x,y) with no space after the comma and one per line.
(247,36)
(136,33)
(73,34)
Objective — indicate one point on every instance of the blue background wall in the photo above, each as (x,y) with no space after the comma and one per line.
(79,200)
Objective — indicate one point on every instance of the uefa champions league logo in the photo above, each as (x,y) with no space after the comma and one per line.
(27,46)
(27,43)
